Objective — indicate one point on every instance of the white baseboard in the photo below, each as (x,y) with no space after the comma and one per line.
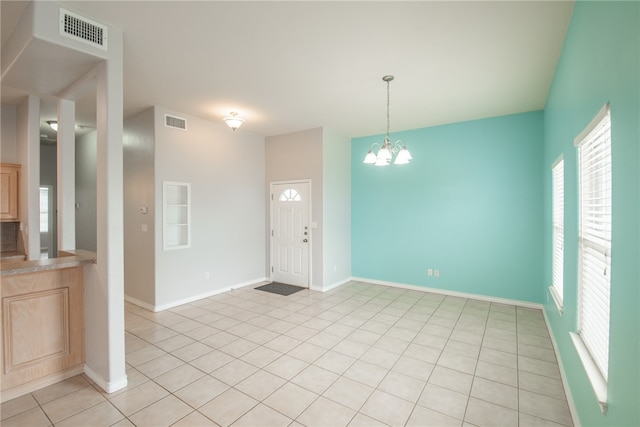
(107,386)
(259,281)
(497,300)
(565,384)
(331,286)
(139,303)
(172,304)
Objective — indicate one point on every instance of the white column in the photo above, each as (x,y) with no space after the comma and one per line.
(104,296)
(66,186)
(28,151)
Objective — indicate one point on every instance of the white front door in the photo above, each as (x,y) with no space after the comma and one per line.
(290,234)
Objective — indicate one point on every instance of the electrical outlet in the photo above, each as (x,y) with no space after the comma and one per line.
(436,273)
(430,272)
(206,276)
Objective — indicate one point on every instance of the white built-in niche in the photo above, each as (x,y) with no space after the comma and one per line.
(176,215)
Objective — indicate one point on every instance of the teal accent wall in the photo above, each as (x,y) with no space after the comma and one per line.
(599,64)
(469,205)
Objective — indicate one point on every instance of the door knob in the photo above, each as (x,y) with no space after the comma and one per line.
(305,241)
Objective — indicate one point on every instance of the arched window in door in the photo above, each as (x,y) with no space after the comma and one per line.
(289,195)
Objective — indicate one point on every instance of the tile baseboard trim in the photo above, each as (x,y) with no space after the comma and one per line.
(497,300)
(162,307)
(107,386)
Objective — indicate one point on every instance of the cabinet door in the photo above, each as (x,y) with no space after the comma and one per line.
(42,325)
(9,187)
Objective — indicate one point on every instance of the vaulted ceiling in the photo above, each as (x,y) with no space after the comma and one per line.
(289,66)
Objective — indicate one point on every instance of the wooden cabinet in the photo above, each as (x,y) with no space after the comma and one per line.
(9,192)
(42,327)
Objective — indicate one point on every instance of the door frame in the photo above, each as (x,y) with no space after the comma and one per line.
(309,216)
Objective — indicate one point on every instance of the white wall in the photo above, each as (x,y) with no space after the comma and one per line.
(294,156)
(336,208)
(139,178)
(226,171)
(86,200)
(8,139)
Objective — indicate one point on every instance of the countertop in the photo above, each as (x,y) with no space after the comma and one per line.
(7,256)
(65,259)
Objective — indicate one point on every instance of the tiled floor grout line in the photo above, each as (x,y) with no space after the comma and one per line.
(345,313)
(517,368)
(484,329)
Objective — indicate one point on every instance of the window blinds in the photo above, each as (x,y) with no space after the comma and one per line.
(595,238)
(558,230)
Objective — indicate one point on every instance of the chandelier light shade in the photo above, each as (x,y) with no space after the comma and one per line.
(387,150)
(233,121)
(53,124)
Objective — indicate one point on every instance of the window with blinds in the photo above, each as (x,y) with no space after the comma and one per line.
(594,153)
(557,286)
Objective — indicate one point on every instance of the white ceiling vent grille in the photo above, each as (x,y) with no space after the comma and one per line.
(82,29)
(175,122)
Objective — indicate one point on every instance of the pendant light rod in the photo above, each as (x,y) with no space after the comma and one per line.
(386,150)
(388,78)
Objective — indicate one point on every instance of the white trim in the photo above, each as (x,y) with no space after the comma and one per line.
(565,384)
(558,160)
(596,379)
(557,231)
(107,386)
(139,303)
(497,300)
(331,286)
(172,304)
(554,295)
(604,111)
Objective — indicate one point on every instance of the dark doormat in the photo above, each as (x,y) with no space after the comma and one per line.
(279,288)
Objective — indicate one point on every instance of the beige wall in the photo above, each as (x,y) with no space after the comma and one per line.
(86,196)
(8,149)
(139,246)
(295,156)
(336,208)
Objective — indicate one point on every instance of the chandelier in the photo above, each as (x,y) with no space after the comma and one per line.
(387,150)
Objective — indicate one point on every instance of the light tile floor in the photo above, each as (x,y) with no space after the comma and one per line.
(359,355)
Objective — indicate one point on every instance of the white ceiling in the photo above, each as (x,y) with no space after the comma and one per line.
(289,66)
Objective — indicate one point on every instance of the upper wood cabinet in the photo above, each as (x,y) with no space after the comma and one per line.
(9,192)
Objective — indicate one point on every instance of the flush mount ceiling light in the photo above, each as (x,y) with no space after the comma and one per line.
(387,150)
(53,124)
(233,121)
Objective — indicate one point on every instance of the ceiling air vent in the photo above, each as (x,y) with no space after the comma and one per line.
(175,122)
(82,29)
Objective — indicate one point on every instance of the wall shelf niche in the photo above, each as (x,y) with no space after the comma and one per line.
(176,215)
